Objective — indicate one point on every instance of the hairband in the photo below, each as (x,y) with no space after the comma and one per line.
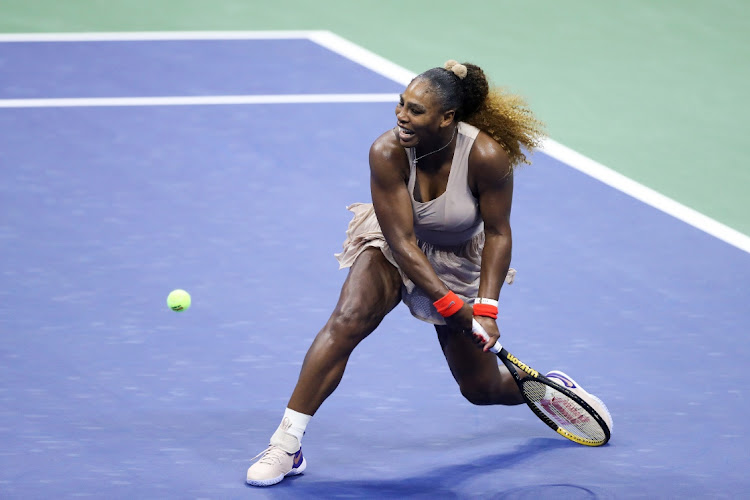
(456,68)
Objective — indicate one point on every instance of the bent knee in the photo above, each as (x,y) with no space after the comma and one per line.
(489,393)
(478,396)
(352,324)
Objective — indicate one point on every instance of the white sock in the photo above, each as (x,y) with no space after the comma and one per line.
(295,423)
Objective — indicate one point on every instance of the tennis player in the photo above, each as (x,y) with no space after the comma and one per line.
(437,236)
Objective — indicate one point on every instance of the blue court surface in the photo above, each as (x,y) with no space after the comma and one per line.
(106,393)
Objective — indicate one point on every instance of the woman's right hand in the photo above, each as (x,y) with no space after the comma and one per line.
(461,321)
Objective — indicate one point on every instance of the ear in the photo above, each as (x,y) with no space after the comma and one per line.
(448,118)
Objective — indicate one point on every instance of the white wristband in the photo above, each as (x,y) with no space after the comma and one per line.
(480,300)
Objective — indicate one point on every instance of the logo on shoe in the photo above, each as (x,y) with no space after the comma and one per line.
(565,382)
(297,459)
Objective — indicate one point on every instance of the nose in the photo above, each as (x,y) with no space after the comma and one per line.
(400,113)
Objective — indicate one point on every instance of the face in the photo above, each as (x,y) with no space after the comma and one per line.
(418,115)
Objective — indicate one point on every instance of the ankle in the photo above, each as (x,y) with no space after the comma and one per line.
(288,435)
(285,441)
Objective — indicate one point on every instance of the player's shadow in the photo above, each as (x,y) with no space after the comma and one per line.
(444,481)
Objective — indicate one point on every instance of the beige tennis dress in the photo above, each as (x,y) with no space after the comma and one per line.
(449,231)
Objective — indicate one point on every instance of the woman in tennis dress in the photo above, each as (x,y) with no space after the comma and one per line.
(437,236)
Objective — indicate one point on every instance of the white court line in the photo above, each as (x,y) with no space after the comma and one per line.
(387,69)
(195,100)
(126,36)
(555,150)
(646,195)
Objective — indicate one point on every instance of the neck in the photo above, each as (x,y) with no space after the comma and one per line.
(437,149)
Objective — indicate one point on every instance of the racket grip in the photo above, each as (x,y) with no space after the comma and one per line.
(479,330)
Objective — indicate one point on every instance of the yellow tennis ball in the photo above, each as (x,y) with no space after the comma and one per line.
(178,300)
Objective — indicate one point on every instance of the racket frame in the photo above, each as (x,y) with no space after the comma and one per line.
(513,364)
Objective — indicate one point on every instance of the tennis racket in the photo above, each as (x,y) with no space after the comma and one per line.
(561,409)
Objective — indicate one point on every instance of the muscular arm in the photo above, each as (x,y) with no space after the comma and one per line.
(492,178)
(389,173)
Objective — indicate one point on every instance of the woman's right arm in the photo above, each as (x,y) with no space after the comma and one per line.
(389,174)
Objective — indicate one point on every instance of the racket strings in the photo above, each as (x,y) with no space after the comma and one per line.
(564,411)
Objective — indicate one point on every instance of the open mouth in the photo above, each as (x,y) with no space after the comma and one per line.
(405,134)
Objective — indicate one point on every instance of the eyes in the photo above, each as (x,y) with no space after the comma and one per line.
(411,108)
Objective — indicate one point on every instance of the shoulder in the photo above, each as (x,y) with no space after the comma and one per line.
(386,147)
(488,157)
(387,154)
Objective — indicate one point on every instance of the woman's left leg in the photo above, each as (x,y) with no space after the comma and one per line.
(481,378)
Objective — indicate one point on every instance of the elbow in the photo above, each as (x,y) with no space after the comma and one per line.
(403,252)
(499,242)
(400,254)
(502,237)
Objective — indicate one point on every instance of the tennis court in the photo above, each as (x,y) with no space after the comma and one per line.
(131,165)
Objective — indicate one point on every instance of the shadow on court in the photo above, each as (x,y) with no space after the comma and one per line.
(449,481)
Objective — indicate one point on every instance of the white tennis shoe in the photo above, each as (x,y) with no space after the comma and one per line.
(597,404)
(273,465)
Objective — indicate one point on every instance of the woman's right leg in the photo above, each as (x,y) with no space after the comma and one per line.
(371,290)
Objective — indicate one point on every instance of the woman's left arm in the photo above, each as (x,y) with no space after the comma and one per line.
(492,181)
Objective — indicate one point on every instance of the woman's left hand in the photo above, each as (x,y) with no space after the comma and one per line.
(490,326)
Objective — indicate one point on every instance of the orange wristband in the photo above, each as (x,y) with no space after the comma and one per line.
(485,310)
(448,305)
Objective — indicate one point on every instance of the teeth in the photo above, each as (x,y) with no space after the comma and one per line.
(405,131)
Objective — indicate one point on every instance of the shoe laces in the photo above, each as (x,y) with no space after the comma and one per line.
(271,455)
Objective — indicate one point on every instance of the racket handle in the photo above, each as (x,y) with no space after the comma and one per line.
(479,330)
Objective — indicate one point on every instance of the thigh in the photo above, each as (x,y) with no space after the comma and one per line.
(371,290)
(472,368)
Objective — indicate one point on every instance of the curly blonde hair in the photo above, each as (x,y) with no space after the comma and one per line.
(504,116)
(507,118)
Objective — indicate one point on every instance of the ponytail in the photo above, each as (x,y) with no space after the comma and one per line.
(503,116)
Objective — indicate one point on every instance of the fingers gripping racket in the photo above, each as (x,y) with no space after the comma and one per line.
(561,409)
